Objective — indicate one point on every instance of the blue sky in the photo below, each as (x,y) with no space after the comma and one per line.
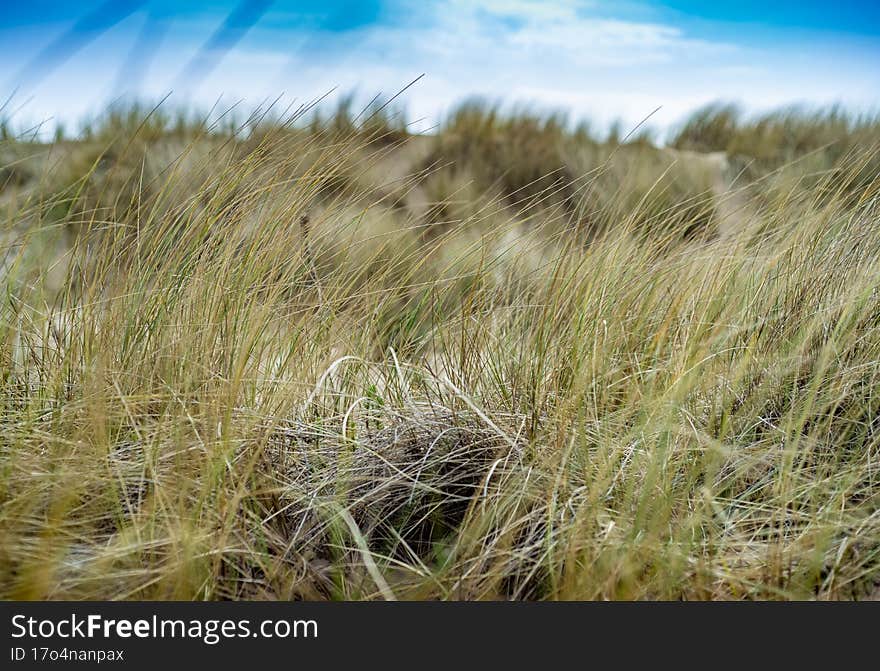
(599,60)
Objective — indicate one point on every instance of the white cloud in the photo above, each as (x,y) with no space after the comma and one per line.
(552,53)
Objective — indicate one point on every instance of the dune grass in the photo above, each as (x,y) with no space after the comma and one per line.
(238,365)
